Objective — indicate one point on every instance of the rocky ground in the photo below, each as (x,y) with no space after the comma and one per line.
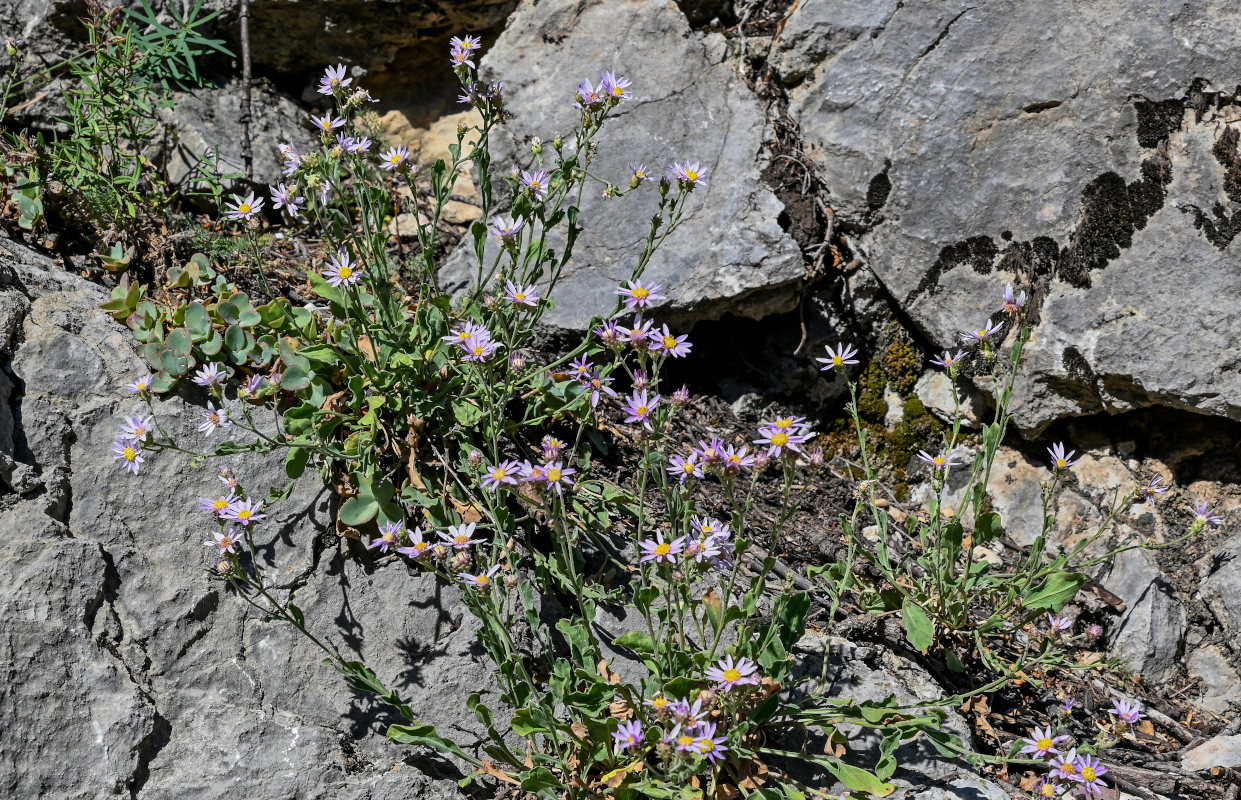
(878,170)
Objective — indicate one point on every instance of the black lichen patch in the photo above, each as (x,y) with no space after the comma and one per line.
(878,189)
(1222,227)
(1076,366)
(1157,119)
(977,252)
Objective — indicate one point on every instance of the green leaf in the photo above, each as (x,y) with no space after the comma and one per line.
(197,321)
(988,528)
(427,736)
(636,641)
(1054,592)
(180,341)
(524,725)
(919,629)
(294,378)
(358,510)
(295,462)
(235,339)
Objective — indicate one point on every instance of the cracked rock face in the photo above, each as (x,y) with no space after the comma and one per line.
(131,671)
(1078,149)
(731,255)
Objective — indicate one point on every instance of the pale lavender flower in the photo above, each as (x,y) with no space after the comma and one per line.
(458,537)
(1089,775)
(1204,514)
(686,714)
(589,96)
(283,197)
(1153,487)
(639,336)
(218,505)
(516,362)
(689,175)
(1128,710)
(641,382)
(680,397)
(939,462)
(640,295)
(640,408)
(837,359)
(614,87)
(327,123)
(556,475)
(209,375)
(728,674)
(244,512)
(466,42)
(293,160)
(244,208)
(1064,766)
(659,704)
(342,270)
(461,56)
(737,459)
(597,385)
(214,418)
(505,472)
(609,332)
(1042,743)
(506,230)
(711,453)
(481,581)
(136,428)
(638,173)
(536,182)
(224,541)
(778,441)
(1068,705)
(629,735)
(333,79)
(1047,789)
(1059,624)
(389,535)
(949,360)
(683,739)
(1013,304)
(658,550)
(467,332)
(479,348)
(418,547)
(253,385)
(141,386)
(394,157)
(1059,459)
(983,334)
(551,448)
(129,453)
(708,744)
(532,473)
(674,346)
(683,468)
(521,296)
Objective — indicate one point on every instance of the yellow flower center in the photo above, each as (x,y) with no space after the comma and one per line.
(244,513)
(982,334)
(519,297)
(670,342)
(641,411)
(685,741)
(691,175)
(244,208)
(780,439)
(640,293)
(1088,773)
(637,173)
(1043,744)
(345,273)
(1049,790)
(220,505)
(395,158)
(130,454)
(535,185)
(477,350)
(939,462)
(1068,769)
(706,745)
(553,474)
(617,91)
(659,702)
(499,474)
(1060,462)
(837,361)
(460,539)
(483,580)
(663,549)
(732,675)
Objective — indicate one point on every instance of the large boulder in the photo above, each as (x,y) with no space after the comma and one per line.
(731,256)
(129,670)
(1078,149)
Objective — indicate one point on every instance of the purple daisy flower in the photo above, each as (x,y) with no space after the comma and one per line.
(333,79)
(327,123)
(136,428)
(609,332)
(210,375)
(1013,304)
(503,473)
(840,357)
(244,209)
(597,384)
(615,86)
(129,453)
(683,468)
(479,348)
(1059,459)
(641,295)
(482,581)
(214,418)
(466,43)
(461,56)
(708,744)
(658,550)
(1059,624)
(640,408)
(506,230)
(629,735)
(1089,774)
(1153,487)
(458,537)
(737,459)
(224,541)
(521,296)
(552,448)
(689,175)
(293,160)
(674,346)
(141,386)
(982,335)
(394,157)
(639,336)
(286,198)
(638,173)
(1047,789)
(342,270)
(556,475)
(1128,710)
(728,675)
(1068,705)
(217,506)
(418,547)
(949,360)
(389,535)
(1204,514)
(1042,743)
(778,441)
(939,462)
(1064,767)
(244,512)
(536,182)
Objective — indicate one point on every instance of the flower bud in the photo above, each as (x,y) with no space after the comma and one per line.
(536,146)
(558,143)
(817,458)
(681,396)
(517,362)
(476,459)
(224,567)
(511,581)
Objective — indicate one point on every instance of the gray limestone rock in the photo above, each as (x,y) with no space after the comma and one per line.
(1215,669)
(1076,149)
(1222,751)
(731,256)
(1220,586)
(137,673)
(1151,634)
